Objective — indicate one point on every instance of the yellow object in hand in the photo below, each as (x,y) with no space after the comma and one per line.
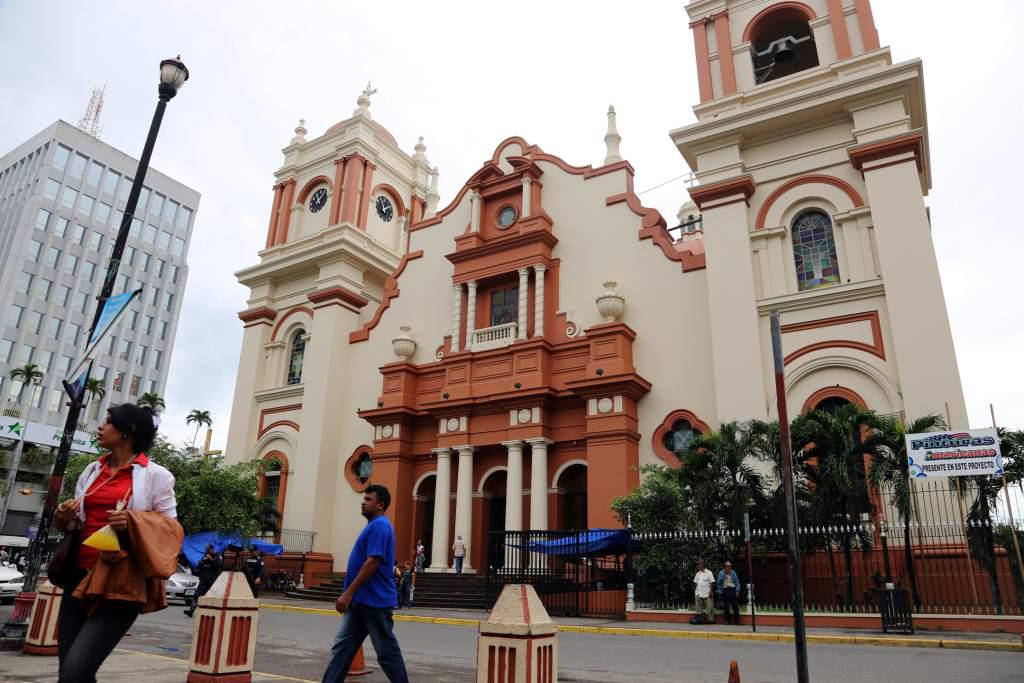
(104,539)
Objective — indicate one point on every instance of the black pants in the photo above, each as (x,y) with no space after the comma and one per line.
(731,605)
(85,641)
(204,586)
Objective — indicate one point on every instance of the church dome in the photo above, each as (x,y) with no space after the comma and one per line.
(378,129)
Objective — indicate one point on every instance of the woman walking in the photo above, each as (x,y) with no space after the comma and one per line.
(106,591)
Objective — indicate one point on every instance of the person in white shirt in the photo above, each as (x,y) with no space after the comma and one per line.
(459,550)
(703,581)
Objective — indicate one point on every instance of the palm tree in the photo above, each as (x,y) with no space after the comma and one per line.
(889,470)
(29,374)
(198,418)
(153,400)
(980,534)
(836,440)
(95,388)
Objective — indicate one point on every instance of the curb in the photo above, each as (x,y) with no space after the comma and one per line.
(878,641)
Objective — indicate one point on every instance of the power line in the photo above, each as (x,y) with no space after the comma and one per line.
(692,180)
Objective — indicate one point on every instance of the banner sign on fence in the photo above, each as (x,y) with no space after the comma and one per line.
(954,454)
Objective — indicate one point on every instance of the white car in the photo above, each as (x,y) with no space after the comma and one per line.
(181,586)
(11,581)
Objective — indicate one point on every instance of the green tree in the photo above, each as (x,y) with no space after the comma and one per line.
(889,471)
(198,418)
(95,388)
(28,374)
(153,400)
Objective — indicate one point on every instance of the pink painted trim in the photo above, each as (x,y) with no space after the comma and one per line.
(846,187)
(748,32)
(725,63)
(700,48)
(839,32)
(866,21)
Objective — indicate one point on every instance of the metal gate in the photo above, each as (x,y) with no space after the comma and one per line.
(570,579)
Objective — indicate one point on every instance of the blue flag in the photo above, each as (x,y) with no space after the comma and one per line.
(76,389)
(113,309)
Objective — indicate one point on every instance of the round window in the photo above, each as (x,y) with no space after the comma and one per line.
(363,467)
(507,216)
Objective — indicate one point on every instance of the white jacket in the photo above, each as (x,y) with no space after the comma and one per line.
(152,488)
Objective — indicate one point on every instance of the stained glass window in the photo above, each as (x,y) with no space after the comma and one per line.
(362,468)
(680,437)
(298,351)
(814,251)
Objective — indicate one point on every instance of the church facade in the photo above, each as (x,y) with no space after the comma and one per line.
(509,360)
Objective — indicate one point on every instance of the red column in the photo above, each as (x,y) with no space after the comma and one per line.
(839,32)
(866,21)
(353,175)
(700,47)
(614,458)
(286,208)
(725,63)
(339,177)
(364,197)
(275,207)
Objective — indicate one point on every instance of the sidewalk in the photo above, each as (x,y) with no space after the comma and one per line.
(1006,642)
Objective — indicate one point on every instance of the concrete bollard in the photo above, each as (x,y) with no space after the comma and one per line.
(41,638)
(224,634)
(518,642)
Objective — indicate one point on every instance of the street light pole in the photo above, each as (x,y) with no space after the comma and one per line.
(799,628)
(173,75)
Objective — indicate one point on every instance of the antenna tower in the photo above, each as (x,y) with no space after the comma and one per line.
(90,121)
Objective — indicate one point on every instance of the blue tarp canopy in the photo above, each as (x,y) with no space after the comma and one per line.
(589,542)
(194,546)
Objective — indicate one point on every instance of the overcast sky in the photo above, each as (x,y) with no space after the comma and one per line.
(466,75)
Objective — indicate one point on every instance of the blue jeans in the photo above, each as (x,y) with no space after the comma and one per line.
(458,564)
(358,622)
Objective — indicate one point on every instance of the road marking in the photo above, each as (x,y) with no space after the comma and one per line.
(186,662)
(989,645)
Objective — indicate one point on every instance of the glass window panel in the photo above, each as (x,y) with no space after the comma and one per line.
(147,325)
(125,350)
(184,216)
(61,228)
(296,356)
(143,200)
(34,247)
(52,257)
(95,241)
(156,297)
(151,386)
(170,211)
(44,359)
(168,301)
(133,388)
(35,322)
(60,157)
(95,171)
(80,301)
(51,188)
(122,283)
(63,294)
(144,262)
(70,264)
(149,233)
(6,346)
(164,240)
(504,305)
(103,213)
(78,166)
(24,284)
(110,181)
(814,251)
(73,330)
(42,219)
(136,228)
(85,206)
(118,381)
(118,217)
(68,197)
(26,353)
(163,329)
(78,234)
(133,319)
(53,328)
(89,271)
(14,314)
(178,246)
(124,189)
(140,355)
(45,287)
(53,404)
(156,207)
(160,265)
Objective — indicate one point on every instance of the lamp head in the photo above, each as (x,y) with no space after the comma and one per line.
(173,75)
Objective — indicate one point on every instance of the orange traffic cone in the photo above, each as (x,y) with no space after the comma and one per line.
(359,667)
(734,672)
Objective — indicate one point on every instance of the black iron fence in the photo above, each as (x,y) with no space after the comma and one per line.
(570,579)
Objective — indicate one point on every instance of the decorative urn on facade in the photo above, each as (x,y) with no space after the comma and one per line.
(403,345)
(610,304)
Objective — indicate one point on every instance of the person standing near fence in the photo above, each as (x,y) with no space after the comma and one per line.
(728,585)
(703,583)
(459,551)
(367,603)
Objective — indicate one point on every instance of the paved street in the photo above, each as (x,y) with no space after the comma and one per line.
(294,645)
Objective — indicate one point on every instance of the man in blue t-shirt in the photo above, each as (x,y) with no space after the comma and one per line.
(369,598)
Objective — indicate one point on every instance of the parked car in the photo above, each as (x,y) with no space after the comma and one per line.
(182,585)
(11,581)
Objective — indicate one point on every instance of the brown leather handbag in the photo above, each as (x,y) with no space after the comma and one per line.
(62,567)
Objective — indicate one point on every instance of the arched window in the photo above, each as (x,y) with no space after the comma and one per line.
(679,437)
(782,43)
(814,251)
(295,356)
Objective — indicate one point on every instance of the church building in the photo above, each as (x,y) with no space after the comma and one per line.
(510,359)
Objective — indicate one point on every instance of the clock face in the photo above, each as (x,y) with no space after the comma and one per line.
(384,209)
(318,200)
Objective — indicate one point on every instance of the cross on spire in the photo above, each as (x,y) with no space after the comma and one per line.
(369,90)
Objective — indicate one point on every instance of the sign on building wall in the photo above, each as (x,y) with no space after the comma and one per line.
(48,435)
(954,454)
(12,428)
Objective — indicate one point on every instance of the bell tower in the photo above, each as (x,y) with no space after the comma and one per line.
(811,152)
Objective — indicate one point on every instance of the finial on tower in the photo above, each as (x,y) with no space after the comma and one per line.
(364,101)
(421,151)
(433,197)
(612,139)
(300,133)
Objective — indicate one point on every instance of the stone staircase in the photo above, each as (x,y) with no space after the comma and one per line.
(444,591)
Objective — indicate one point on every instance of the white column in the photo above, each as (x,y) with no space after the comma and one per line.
(470,313)
(526,196)
(474,211)
(538,300)
(464,502)
(442,501)
(456,315)
(514,486)
(538,483)
(524,284)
